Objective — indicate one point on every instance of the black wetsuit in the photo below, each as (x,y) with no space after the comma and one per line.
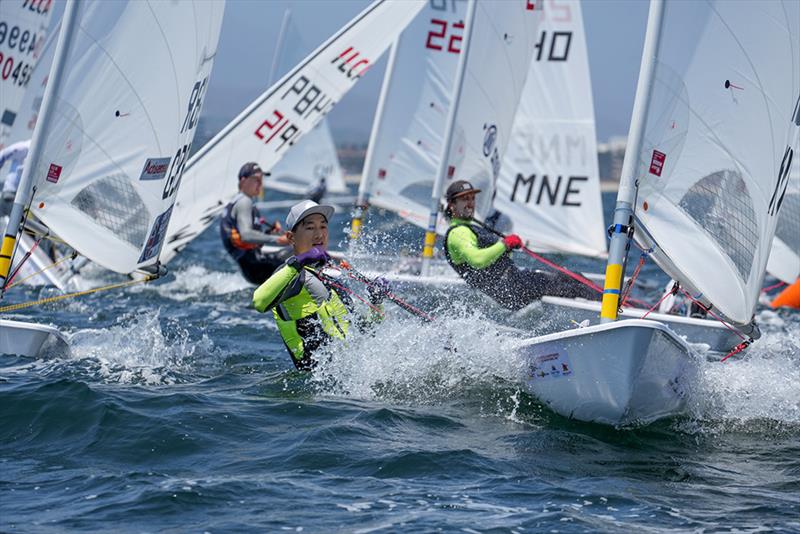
(507,284)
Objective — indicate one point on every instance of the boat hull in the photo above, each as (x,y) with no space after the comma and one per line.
(30,339)
(711,332)
(628,372)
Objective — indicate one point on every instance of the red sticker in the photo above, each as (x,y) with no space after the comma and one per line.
(381,173)
(451,171)
(657,162)
(54,173)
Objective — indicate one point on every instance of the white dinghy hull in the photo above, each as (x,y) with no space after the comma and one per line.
(628,372)
(30,339)
(710,332)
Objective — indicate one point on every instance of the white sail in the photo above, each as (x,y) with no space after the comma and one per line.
(712,169)
(500,45)
(407,136)
(25,122)
(108,161)
(23,30)
(784,259)
(313,157)
(266,130)
(549,183)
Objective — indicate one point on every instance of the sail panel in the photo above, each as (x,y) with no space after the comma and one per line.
(726,83)
(501,46)
(282,115)
(406,153)
(110,162)
(549,183)
(313,157)
(22,37)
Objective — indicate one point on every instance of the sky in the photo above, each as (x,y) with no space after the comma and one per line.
(614,33)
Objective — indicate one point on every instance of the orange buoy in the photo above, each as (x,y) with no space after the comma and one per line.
(789,297)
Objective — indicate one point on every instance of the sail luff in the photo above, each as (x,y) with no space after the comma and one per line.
(452,113)
(623,212)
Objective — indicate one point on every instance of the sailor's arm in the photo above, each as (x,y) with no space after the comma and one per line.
(243,211)
(462,245)
(268,294)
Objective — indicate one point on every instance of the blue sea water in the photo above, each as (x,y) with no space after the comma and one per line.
(178,410)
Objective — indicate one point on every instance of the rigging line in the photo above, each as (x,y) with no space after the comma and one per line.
(29,304)
(714,315)
(25,258)
(40,271)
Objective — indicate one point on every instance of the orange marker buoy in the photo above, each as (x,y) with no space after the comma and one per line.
(789,297)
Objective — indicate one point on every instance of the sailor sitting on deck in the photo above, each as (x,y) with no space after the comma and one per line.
(309,308)
(15,154)
(484,261)
(244,230)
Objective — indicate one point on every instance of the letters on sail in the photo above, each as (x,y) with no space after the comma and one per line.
(549,185)
(266,129)
(23,31)
(108,161)
(313,158)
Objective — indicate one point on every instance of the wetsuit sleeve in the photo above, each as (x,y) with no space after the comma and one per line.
(243,212)
(462,245)
(269,293)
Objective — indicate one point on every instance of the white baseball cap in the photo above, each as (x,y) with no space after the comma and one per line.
(303,209)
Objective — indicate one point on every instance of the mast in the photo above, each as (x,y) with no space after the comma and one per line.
(438,184)
(365,187)
(24,191)
(621,229)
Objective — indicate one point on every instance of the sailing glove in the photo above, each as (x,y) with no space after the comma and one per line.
(512,241)
(314,255)
(378,290)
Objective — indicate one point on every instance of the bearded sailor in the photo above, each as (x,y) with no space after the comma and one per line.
(484,261)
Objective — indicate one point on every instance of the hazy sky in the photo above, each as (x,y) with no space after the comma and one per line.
(614,33)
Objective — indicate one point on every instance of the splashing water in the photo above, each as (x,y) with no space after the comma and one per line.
(196,280)
(405,361)
(138,349)
(762,385)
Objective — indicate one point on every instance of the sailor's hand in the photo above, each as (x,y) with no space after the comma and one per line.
(283,240)
(277,228)
(314,255)
(512,241)
(379,289)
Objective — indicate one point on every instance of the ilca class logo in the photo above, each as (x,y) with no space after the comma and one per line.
(490,149)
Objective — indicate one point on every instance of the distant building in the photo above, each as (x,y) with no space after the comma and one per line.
(609,158)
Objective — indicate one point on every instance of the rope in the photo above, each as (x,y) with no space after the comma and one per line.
(657,304)
(717,317)
(355,275)
(21,263)
(37,273)
(774,286)
(29,304)
(349,291)
(629,288)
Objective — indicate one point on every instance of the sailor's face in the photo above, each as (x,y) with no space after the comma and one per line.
(464,206)
(252,185)
(311,232)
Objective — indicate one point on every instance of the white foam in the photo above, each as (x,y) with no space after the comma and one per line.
(135,350)
(197,281)
(763,384)
(407,361)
